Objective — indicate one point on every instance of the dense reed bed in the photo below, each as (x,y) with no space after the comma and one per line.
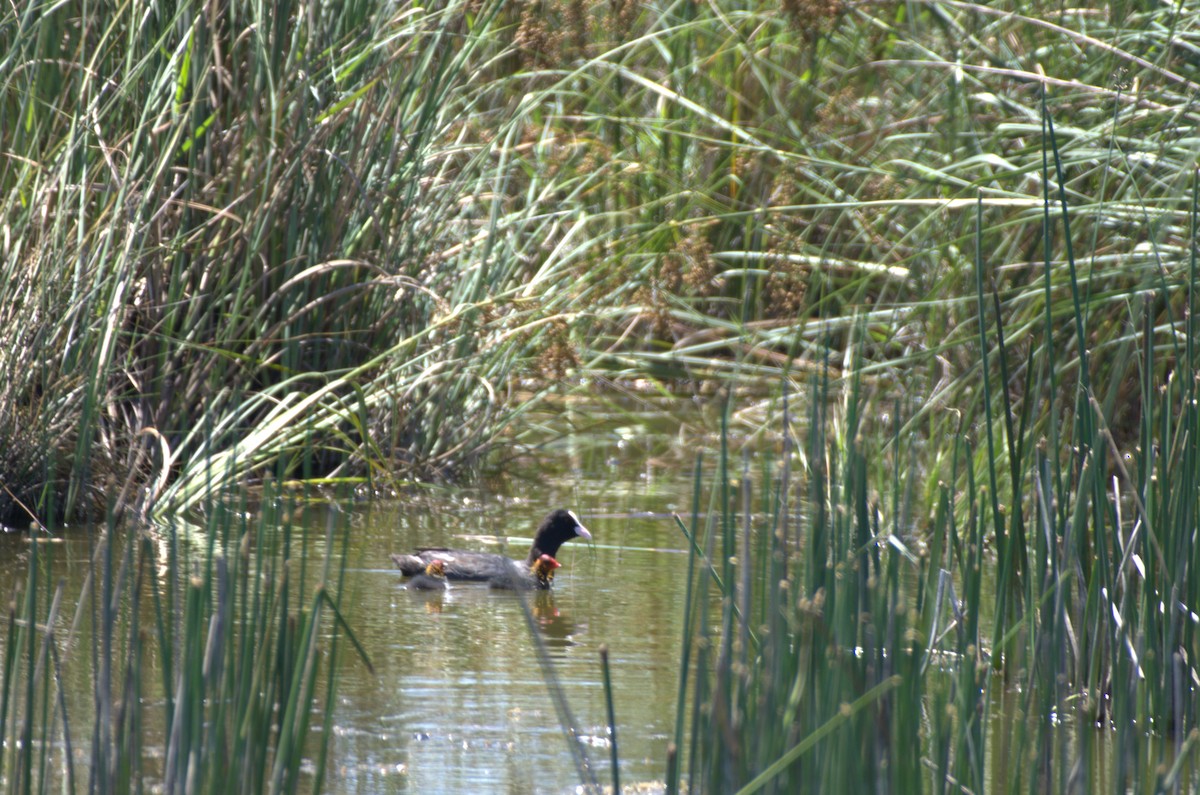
(386,228)
(240,618)
(1032,628)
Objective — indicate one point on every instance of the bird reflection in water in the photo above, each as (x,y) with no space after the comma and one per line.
(556,627)
(434,602)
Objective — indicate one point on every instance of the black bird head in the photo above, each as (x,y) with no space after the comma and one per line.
(555,530)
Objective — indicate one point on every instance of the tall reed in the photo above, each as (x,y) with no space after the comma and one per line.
(1034,628)
(1056,627)
(395,225)
(231,616)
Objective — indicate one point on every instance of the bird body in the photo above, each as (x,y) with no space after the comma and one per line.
(555,530)
(539,576)
(432,579)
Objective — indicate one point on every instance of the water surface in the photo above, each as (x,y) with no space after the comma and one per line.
(459,701)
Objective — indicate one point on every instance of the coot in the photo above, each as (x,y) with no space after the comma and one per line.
(555,530)
(433,579)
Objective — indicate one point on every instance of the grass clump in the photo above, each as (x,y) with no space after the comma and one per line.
(234,236)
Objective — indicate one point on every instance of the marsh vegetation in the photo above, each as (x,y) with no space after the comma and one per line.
(359,245)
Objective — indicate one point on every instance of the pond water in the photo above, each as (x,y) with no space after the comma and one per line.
(459,701)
